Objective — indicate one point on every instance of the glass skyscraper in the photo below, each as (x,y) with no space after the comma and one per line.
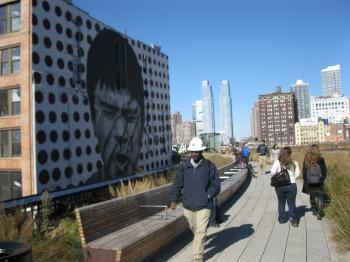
(301,91)
(208,108)
(226,112)
(331,83)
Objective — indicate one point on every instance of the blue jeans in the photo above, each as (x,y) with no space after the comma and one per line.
(286,194)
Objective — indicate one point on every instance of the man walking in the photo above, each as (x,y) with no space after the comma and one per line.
(263,152)
(199,180)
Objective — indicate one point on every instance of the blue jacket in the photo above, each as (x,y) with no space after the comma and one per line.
(197,184)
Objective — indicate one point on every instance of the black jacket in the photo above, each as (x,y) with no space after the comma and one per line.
(315,189)
(199,184)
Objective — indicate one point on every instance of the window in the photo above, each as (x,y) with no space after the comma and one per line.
(10,185)
(10,18)
(10,143)
(10,102)
(10,60)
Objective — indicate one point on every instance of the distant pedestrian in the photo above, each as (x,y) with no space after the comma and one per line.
(287,193)
(263,152)
(245,153)
(275,152)
(199,187)
(314,175)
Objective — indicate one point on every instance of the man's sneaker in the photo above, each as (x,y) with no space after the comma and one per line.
(295,223)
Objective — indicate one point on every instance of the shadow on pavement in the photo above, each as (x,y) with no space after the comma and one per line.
(219,241)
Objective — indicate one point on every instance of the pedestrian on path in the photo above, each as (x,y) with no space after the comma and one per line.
(199,187)
(275,152)
(263,151)
(245,155)
(288,192)
(314,175)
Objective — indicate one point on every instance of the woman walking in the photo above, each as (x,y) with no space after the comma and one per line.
(314,175)
(275,152)
(288,192)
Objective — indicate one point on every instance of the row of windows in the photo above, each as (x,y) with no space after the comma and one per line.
(10,18)
(10,60)
(10,185)
(10,143)
(10,102)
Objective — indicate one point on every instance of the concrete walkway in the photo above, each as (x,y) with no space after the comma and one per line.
(251,231)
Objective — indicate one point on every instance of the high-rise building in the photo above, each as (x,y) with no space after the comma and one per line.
(176,119)
(277,118)
(185,131)
(208,108)
(301,91)
(255,122)
(334,109)
(331,82)
(226,112)
(80,104)
(197,116)
(309,131)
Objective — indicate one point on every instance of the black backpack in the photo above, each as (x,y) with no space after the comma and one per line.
(314,175)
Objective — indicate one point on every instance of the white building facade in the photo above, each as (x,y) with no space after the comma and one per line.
(197,109)
(334,109)
(309,131)
(331,82)
(301,91)
(226,112)
(208,108)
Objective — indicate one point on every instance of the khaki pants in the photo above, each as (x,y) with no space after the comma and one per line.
(198,222)
(262,163)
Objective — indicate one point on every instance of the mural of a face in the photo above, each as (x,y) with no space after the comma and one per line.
(115,90)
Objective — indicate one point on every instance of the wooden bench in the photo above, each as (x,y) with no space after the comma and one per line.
(123,230)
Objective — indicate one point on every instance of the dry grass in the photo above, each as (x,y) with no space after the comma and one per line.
(15,226)
(218,159)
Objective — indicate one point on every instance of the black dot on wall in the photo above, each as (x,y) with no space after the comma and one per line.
(35,58)
(65,135)
(40,117)
(50,79)
(56,174)
(59,46)
(80,169)
(97,28)
(60,63)
(88,150)
(46,24)
(69,33)
(34,20)
(53,136)
(44,177)
(37,77)
(48,61)
(68,172)
(79,36)
(67,154)
(87,133)
(78,21)
(34,2)
(47,42)
(75,99)
(58,11)
(77,134)
(71,83)
(61,81)
(52,98)
(52,117)
(55,155)
(59,28)
(78,151)
(41,137)
(88,24)
(68,16)
(89,39)
(99,164)
(64,117)
(42,157)
(89,167)
(64,98)
(35,39)
(46,6)
(76,117)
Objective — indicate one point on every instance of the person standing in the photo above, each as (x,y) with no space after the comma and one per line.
(263,152)
(275,152)
(245,154)
(287,193)
(199,180)
(315,166)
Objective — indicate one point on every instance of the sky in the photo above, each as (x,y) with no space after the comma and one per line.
(256,45)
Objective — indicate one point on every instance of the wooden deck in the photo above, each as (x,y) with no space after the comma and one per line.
(251,231)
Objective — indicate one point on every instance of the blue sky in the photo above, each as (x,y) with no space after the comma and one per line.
(254,44)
